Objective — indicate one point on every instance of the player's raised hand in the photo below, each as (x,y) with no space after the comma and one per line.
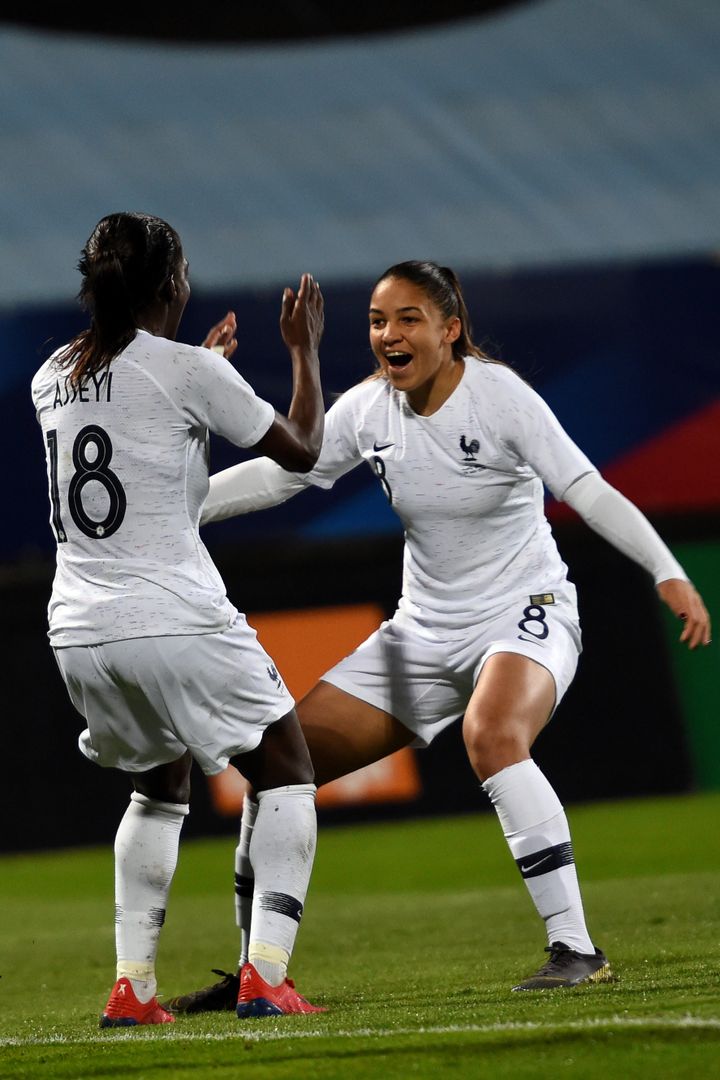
(221,337)
(685,602)
(302,317)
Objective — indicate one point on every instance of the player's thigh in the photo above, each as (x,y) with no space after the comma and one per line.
(528,661)
(344,733)
(513,700)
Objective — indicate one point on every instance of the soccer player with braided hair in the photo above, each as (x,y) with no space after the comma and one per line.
(159,662)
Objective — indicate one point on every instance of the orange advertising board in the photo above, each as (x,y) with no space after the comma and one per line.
(304,644)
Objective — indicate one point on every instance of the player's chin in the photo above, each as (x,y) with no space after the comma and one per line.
(399,374)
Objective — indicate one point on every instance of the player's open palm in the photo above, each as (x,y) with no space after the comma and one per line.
(302,317)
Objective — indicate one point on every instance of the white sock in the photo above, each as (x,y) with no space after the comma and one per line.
(537,832)
(146,850)
(244,881)
(282,850)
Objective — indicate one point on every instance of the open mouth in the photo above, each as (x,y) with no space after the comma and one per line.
(398,359)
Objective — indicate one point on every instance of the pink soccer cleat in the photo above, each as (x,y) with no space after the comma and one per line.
(258,998)
(124,1010)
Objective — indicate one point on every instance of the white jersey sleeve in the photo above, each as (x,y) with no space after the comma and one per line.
(213,395)
(531,430)
(260,484)
(536,436)
(619,521)
(251,485)
(340,450)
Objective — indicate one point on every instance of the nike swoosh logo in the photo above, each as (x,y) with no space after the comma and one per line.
(532,866)
(384,446)
(532,640)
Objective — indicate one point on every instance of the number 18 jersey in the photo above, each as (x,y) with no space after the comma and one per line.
(127,461)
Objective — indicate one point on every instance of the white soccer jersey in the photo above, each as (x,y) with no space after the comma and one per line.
(467,483)
(127,459)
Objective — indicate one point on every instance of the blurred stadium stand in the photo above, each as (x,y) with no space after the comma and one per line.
(554,132)
(562,155)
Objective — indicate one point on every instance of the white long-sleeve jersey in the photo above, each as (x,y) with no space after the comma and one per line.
(467,483)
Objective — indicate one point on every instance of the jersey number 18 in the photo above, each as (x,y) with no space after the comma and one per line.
(85,470)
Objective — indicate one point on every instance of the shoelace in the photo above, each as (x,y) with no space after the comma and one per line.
(560,956)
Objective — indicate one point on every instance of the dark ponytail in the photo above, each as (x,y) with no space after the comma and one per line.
(443,287)
(125,264)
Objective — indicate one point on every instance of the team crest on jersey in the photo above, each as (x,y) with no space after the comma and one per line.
(273,673)
(470,448)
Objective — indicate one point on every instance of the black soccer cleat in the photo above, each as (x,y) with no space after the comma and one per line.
(220,997)
(568,968)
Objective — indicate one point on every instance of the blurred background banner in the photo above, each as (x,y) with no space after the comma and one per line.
(562,155)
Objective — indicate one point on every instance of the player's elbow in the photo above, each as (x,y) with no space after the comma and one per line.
(293,446)
(300,458)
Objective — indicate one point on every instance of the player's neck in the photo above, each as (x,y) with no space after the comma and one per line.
(432,395)
(156,320)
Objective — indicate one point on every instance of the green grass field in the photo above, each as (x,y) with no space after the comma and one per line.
(413,935)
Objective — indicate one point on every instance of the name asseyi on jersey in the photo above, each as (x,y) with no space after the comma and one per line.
(95,389)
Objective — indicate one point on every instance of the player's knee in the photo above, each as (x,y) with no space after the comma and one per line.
(172,786)
(491,745)
(281,759)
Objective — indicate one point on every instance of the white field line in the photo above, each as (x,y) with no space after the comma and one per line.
(173,1035)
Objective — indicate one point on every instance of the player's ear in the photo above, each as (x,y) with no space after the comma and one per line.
(453,329)
(168,291)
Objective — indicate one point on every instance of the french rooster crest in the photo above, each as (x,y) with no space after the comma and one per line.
(469,449)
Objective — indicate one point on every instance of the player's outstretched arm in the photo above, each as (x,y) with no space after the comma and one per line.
(294,441)
(620,522)
(251,485)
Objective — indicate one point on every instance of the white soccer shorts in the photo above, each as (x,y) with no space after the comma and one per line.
(425,679)
(147,700)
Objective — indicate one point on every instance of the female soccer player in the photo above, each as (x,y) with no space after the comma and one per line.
(487,624)
(155,657)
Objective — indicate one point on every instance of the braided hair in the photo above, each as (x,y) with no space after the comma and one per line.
(125,265)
